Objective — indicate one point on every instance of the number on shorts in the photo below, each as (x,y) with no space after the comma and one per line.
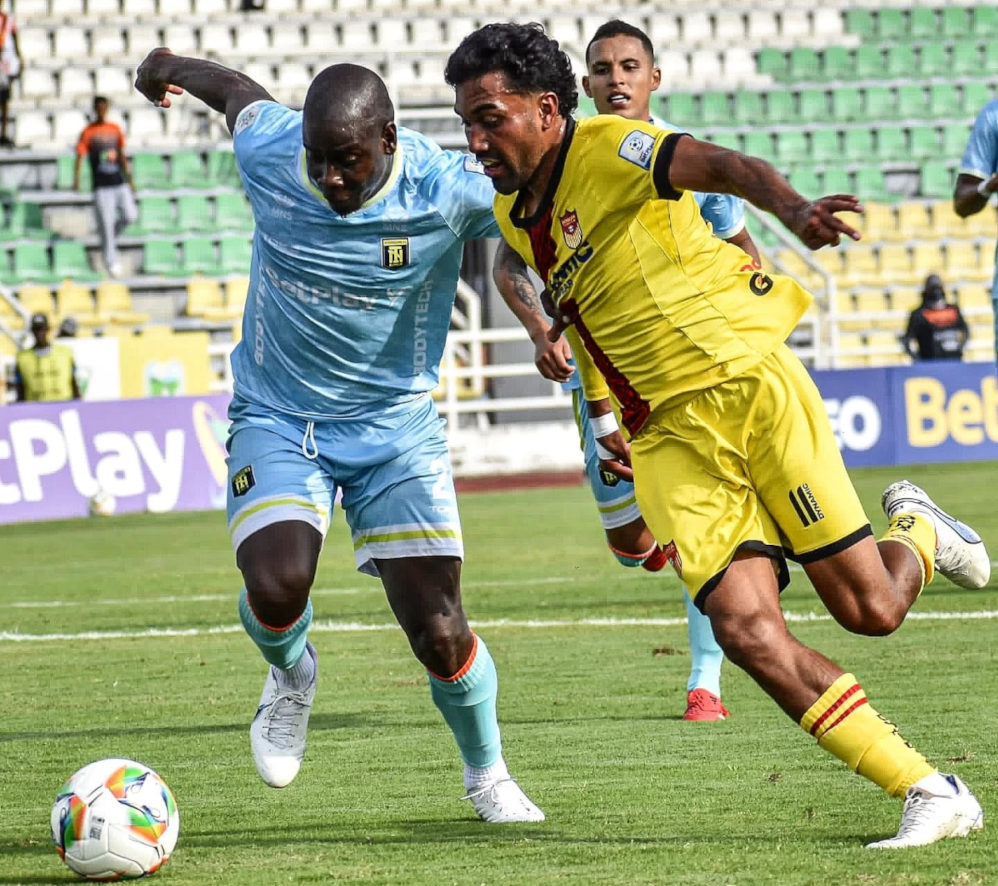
(441,489)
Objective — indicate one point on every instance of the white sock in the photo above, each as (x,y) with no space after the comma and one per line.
(474,776)
(300,676)
(936,784)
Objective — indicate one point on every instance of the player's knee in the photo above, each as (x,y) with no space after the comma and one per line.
(748,638)
(278,592)
(442,644)
(871,618)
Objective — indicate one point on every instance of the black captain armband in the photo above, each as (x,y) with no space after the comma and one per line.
(660,175)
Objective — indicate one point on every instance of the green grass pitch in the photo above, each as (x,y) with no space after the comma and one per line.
(590,711)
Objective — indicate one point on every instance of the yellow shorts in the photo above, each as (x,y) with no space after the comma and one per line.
(748,464)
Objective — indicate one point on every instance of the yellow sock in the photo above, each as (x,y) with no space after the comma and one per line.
(915,532)
(846,726)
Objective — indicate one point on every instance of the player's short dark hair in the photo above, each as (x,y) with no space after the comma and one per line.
(618,28)
(530,60)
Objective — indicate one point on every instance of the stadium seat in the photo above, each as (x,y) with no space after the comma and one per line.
(65,165)
(762,27)
(972,296)
(847,104)
(891,25)
(107,43)
(791,146)
(795,25)
(804,64)
(204,299)
(901,63)
(75,84)
(139,37)
(869,63)
(738,66)
(965,60)
(696,29)
(74,300)
(835,180)
(922,23)
(933,60)
(895,264)
(806,182)
(705,67)
(38,83)
(36,300)
(780,107)
(914,221)
(32,128)
(159,258)
(937,181)
(222,169)
(926,258)
(871,185)
(187,171)
(233,213)
(923,143)
(984,21)
(960,261)
(955,138)
(235,255)
(69,262)
(955,22)
(943,100)
(217,37)
(114,304)
(825,145)
(891,144)
(837,63)
(236,291)
(714,110)
(945,221)
(681,109)
(858,145)
(878,103)
(861,23)
(879,221)
(31,264)
(990,56)
(194,213)
(148,172)
(198,257)
(155,217)
(772,62)
(748,108)
(70,44)
(813,105)
(973,97)
(911,102)
(25,222)
(860,266)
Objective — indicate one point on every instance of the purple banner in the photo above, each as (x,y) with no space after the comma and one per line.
(161,454)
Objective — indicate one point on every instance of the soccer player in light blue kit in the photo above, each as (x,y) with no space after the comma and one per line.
(358,244)
(621,75)
(978,178)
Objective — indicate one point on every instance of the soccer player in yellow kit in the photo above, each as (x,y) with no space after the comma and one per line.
(733,456)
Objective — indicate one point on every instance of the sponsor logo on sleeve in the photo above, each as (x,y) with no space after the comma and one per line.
(246,118)
(472,165)
(638,148)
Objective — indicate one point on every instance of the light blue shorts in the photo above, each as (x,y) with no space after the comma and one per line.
(394,473)
(615,498)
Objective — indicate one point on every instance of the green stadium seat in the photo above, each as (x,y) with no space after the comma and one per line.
(159,258)
(730,140)
(25,222)
(870,185)
(879,103)
(933,60)
(813,105)
(835,180)
(943,100)
(900,63)
(187,171)
(990,62)
(804,64)
(806,182)
(869,63)
(955,137)
(748,108)
(772,62)
(714,110)
(31,264)
(199,257)
(69,262)
(974,97)
(235,253)
(966,60)
(149,172)
(758,144)
(155,217)
(923,24)
(857,145)
(587,107)
(233,213)
(837,63)
(911,102)
(65,167)
(891,25)
(223,171)
(681,109)
(847,104)
(780,107)
(984,21)
(924,142)
(194,213)
(891,144)
(955,22)
(791,146)
(825,145)
(860,22)
(937,180)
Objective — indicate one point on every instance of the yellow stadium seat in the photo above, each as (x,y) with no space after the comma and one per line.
(895,263)
(851,350)
(236,290)
(74,300)
(946,223)
(114,305)
(790,263)
(926,258)
(905,298)
(8,348)
(37,300)
(972,296)
(914,222)
(830,260)
(984,224)
(961,261)
(878,222)
(205,301)
(9,316)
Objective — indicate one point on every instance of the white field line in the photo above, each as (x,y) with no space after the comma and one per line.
(337,627)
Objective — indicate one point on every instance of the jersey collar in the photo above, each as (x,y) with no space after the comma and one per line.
(515,214)
(374,198)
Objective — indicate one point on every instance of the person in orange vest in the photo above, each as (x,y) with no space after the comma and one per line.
(45,372)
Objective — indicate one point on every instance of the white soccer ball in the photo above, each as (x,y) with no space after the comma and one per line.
(115,819)
(102,504)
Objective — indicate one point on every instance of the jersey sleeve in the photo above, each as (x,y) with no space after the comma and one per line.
(259,125)
(980,159)
(464,195)
(725,212)
(83,145)
(593,384)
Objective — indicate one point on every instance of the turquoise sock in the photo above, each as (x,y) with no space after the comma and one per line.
(469,707)
(283,649)
(705,655)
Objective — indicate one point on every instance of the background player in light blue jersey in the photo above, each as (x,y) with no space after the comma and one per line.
(978,178)
(358,243)
(621,77)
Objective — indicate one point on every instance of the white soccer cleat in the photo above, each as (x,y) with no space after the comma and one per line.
(277,733)
(502,802)
(960,553)
(928,818)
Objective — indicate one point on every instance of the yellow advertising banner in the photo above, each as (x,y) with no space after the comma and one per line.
(166,364)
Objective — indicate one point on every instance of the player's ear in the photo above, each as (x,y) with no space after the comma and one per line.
(585,86)
(656,78)
(548,107)
(389,139)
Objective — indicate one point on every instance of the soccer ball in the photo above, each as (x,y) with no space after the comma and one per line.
(115,819)
(102,504)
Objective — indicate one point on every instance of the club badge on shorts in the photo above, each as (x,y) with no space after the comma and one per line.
(243,481)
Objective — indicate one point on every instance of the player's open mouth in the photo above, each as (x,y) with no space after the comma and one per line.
(492,167)
(618,98)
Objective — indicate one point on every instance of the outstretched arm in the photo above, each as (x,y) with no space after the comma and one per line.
(694,165)
(972,194)
(163,74)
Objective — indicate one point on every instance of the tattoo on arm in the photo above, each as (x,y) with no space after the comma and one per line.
(525,292)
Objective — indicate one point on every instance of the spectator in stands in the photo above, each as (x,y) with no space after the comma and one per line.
(936,330)
(10,69)
(103,143)
(69,328)
(45,372)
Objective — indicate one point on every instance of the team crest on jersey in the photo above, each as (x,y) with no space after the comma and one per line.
(672,555)
(394,253)
(243,481)
(572,230)
(638,148)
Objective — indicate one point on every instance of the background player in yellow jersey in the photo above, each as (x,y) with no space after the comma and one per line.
(733,456)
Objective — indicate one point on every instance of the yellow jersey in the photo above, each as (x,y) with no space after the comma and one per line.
(662,307)
(46,375)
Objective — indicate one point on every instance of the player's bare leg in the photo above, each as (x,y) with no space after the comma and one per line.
(278,565)
(634,541)
(425,595)
(744,609)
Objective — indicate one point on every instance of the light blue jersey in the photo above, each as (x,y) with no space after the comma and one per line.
(980,159)
(347,315)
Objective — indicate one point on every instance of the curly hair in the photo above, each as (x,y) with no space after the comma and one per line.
(530,60)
